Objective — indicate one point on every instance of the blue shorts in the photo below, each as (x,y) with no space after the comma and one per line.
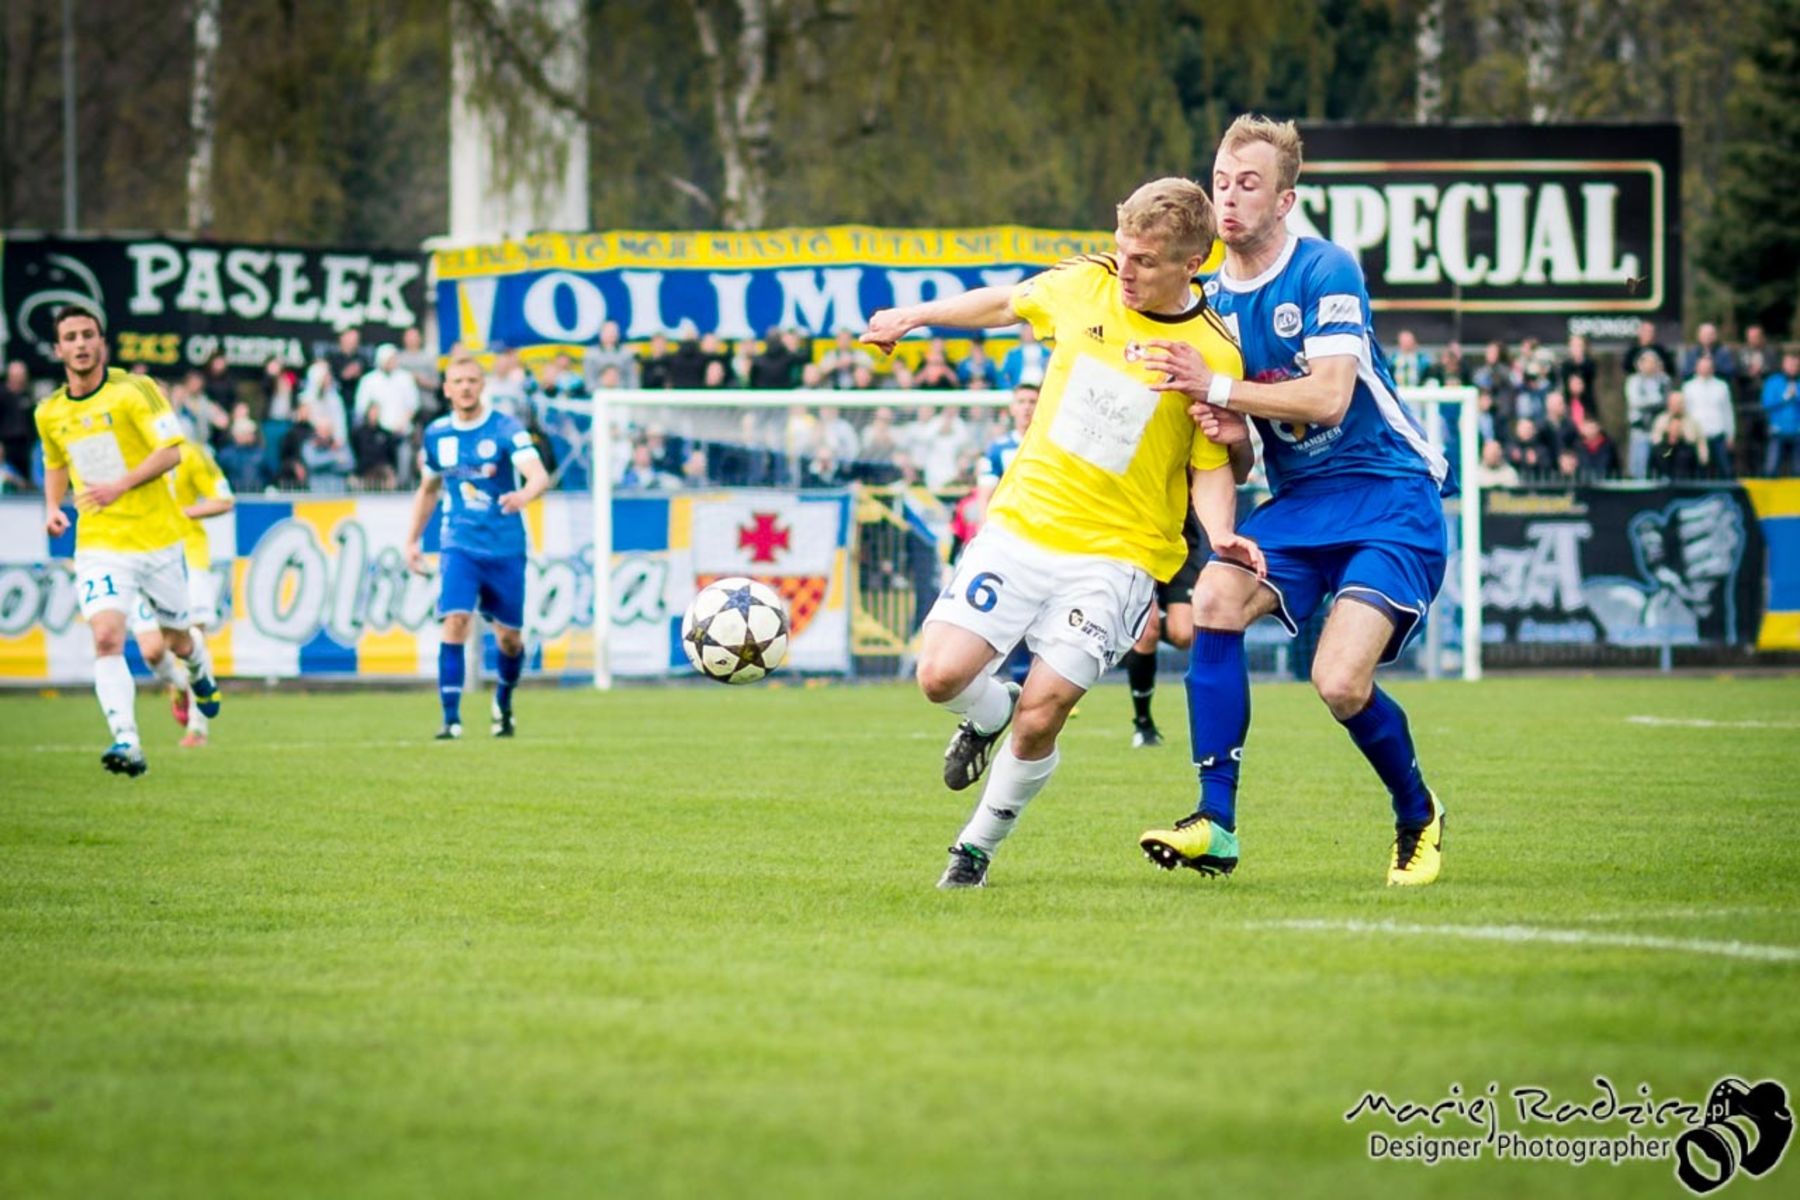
(493,586)
(1381,541)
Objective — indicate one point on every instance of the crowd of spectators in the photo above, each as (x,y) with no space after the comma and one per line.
(351,418)
(1711,411)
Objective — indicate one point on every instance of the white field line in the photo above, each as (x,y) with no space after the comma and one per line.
(1530,933)
(1692,912)
(1706,723)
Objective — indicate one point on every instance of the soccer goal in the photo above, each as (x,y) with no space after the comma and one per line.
(752,439)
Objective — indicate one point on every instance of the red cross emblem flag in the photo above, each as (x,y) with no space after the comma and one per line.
(791,543)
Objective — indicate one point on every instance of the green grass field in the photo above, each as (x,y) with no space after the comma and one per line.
(685,942)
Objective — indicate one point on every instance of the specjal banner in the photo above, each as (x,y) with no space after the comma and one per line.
(1474,232)
(171,303)
(1628,565)
(559,289)
(317,587)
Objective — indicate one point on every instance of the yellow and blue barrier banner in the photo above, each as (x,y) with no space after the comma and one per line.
(1777,505)
(560,288)
(318,587)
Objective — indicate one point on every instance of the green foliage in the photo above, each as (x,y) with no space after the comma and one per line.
(1753,247)
(332,116)
(679,942)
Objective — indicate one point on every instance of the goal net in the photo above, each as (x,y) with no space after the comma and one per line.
(849,502)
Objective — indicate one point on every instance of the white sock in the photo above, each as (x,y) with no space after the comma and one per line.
(164,668)
(1011,785)
(118,697)
(196,718)
(985,702)
(199,659)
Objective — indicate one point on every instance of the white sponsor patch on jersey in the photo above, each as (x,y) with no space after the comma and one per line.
(165,425)
(1102,414)
(1287,320)
(97,459)
(446,452)
(1340,308)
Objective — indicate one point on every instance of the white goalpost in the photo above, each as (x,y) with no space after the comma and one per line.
(1430,401)
(700,412)
(683,411)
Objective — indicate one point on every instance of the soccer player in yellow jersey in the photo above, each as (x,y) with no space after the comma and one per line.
(1088,516)
(200,492)
(112,437)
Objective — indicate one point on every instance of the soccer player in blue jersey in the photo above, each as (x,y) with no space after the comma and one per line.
(1356,508)
(481,469)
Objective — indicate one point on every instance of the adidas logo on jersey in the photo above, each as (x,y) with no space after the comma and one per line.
(1097,332)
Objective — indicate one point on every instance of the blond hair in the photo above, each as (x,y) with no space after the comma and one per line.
(1283,135)
(1178,209)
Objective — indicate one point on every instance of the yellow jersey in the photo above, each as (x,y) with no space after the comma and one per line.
(195,478)
(102,436)
(1103,468)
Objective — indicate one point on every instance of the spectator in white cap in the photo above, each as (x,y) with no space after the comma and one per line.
(395,393)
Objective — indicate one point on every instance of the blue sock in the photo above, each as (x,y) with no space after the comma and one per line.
(1218,689)
(450,681)
(511,667)
(1381,733)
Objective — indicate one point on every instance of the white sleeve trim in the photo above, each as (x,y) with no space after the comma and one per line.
(1331,345)
(521,457)
(426,470)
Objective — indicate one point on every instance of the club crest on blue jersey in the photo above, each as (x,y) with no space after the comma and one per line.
(1312,303)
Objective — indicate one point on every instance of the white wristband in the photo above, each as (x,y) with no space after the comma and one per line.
(1219,391)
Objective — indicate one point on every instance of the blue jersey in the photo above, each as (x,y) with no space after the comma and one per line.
(478,464)
(1313,303)
(999,456)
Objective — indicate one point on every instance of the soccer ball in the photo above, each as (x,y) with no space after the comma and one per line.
(736,630)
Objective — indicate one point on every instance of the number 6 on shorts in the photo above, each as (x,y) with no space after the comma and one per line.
(981,594)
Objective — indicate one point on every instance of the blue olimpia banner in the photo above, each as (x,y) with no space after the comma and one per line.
(559,289)
(317,586)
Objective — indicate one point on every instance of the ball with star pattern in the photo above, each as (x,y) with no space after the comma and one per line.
(736,630)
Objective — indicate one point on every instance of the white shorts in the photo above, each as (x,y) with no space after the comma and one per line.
(115,580)
(1078,612)
(203,605)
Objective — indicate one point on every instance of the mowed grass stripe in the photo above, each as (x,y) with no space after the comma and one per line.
(684,941)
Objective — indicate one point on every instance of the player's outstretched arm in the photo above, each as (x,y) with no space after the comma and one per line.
(983,308)
(212,506)
(537,481)
(1321,397)
(424,500)
(1215,504)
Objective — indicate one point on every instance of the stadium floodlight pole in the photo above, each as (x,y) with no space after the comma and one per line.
(71,198)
